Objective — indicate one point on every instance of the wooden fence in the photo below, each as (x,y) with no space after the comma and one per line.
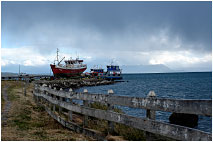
(63,99)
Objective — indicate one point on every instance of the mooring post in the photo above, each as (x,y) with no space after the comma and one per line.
(60,98)
(110,108)
(150,114)
(70,112)
(86,104)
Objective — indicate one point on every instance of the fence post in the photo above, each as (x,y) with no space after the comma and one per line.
(70,112)
(48,103)
(110,108)
(54,97)
(39,91)
(44,101)
(86,104)
(25,85)
(150,114)
(60,99)
(38,97)
(35,91)
(51,106)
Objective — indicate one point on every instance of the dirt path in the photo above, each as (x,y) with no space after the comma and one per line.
(6,108)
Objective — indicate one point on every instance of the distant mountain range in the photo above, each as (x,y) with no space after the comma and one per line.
(6,74)
(160,68)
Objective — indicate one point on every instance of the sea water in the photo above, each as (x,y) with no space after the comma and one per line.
(196,85)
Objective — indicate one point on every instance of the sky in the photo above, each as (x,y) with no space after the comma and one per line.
(175,34)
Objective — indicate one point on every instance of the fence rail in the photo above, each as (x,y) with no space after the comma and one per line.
(199,107)
(151,104)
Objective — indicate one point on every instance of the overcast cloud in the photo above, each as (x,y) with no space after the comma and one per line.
(176,34)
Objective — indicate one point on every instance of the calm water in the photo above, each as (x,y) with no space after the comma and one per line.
(165,85)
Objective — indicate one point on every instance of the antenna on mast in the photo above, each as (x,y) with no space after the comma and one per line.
(76,54)
(111,62)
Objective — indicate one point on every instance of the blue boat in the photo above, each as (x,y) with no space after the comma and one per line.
(96,72)
(113,73)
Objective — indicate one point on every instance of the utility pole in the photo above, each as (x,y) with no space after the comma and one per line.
(19,70)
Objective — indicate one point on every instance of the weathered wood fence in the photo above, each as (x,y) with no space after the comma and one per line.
(63,99)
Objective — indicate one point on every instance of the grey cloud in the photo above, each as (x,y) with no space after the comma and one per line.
(110,16)
(108,27)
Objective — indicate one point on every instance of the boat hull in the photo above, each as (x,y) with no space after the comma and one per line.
(61,72)
(113,77)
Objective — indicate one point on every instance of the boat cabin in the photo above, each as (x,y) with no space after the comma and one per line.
(113,70)
(97,70)
(73,61)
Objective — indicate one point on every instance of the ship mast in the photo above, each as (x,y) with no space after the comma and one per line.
(57,54)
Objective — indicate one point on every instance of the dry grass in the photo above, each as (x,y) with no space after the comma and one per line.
(28,122)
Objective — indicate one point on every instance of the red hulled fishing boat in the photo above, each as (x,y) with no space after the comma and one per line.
(71,68)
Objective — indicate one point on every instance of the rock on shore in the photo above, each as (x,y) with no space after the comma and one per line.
(76,83)
(189,120)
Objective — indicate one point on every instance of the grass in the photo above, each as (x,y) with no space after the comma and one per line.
(2,98)
(29,122)
(130,133)
(97,105)
(22,119)
(2,102)
(12,96)
(42,134)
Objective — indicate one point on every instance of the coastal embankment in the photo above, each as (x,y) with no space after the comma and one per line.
(75,83)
